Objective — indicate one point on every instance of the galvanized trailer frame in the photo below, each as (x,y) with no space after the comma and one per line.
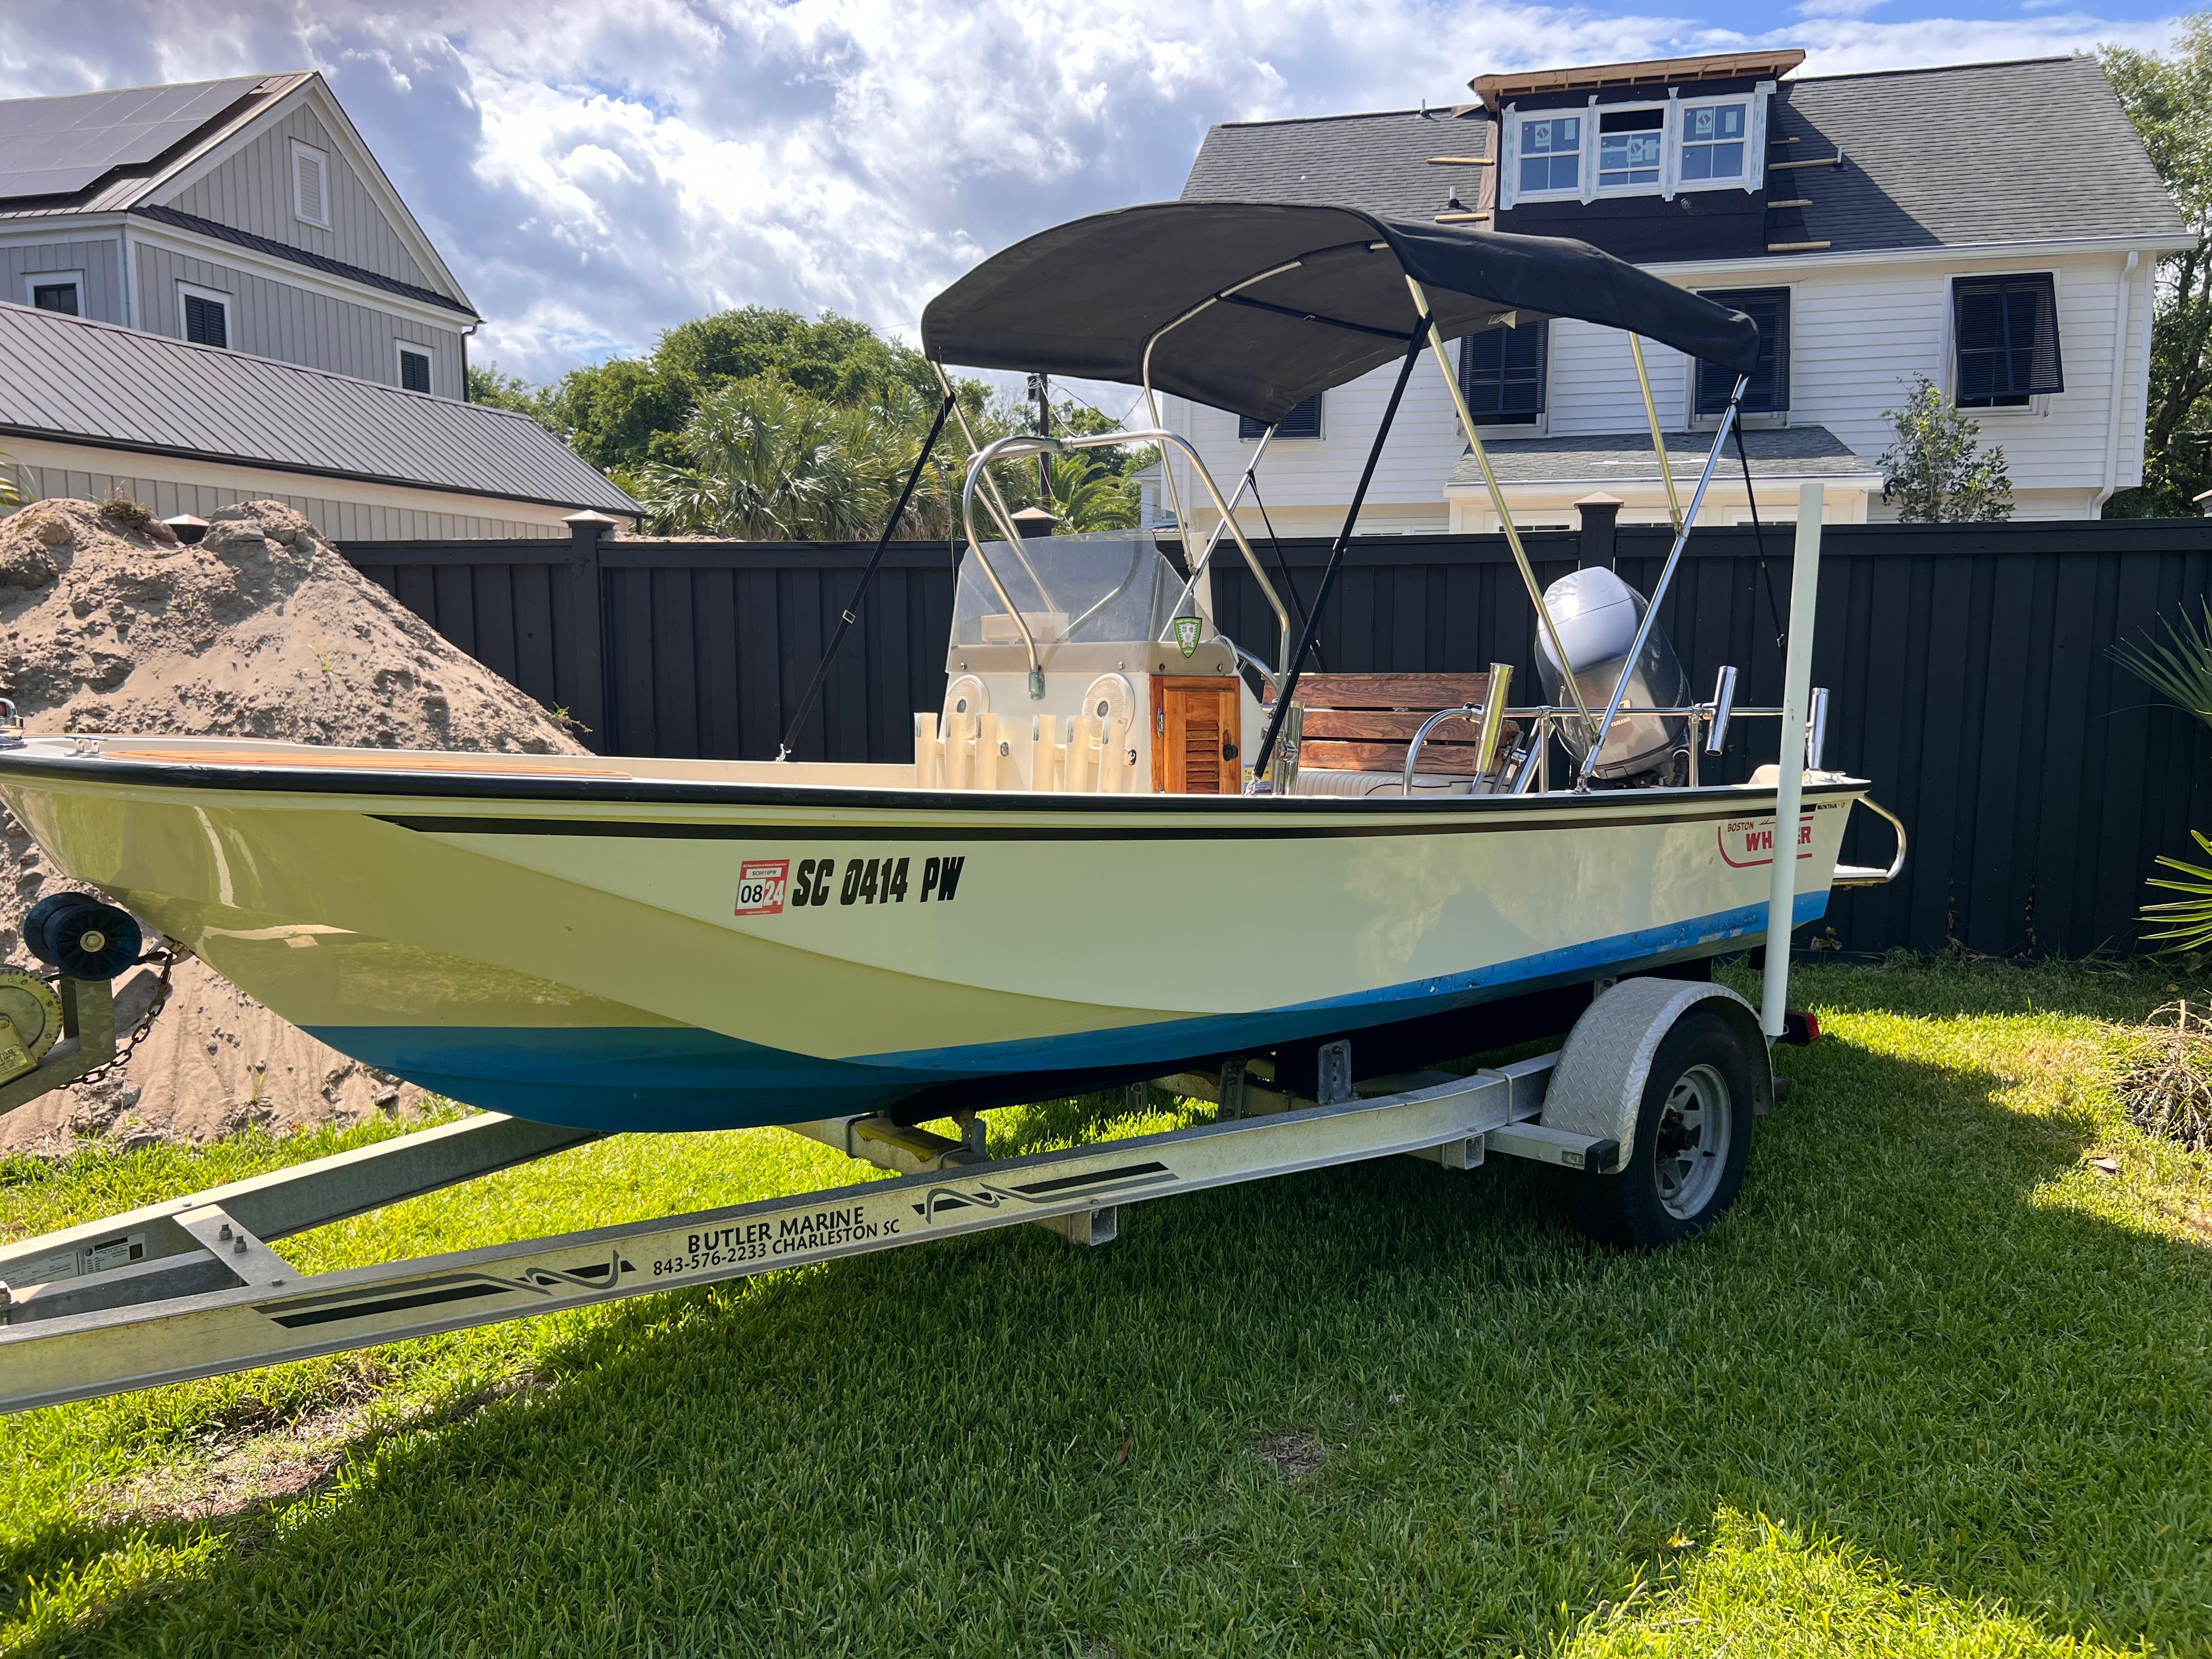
(192,1288)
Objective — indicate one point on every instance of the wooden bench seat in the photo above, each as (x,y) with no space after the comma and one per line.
(1363,722)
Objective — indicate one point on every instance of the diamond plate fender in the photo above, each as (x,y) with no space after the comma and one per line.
(1598,1086)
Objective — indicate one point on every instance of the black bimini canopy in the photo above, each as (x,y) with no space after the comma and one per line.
(1308,298)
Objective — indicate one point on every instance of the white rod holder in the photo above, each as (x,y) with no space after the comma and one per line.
(1790,783)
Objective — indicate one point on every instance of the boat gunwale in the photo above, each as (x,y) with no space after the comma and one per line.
(581,789)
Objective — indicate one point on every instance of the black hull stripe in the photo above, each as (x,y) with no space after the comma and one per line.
(338,779)
(812,833)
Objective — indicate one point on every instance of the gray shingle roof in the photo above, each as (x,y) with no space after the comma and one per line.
(69,378)
(1789,451)
(1951,157)
(1379,162)
(1982,153)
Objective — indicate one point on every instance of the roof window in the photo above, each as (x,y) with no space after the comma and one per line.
(1551,153)
(1712,141)
(1630,142)
(1655,149)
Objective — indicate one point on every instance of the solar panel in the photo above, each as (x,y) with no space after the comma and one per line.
(56,146)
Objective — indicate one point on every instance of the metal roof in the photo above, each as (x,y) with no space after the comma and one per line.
(58,146)
(75,380)
(1951,157)
(1789,451)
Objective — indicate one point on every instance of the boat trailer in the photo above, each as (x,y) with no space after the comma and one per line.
(193,1286)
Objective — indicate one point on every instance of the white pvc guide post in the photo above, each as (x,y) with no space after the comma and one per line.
(1789,786)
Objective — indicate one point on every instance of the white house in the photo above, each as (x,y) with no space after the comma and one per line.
(234,220)
(1994,226)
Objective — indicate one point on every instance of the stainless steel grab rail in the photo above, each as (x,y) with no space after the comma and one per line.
(1896,865)
(1468,711)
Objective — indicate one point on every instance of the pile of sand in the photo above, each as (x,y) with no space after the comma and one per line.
(107,623)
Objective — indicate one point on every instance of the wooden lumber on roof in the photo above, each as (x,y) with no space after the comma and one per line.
(1494,89)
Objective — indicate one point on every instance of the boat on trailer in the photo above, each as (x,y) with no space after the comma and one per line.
(1126,847)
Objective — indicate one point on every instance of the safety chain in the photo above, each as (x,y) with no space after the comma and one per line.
(168,959)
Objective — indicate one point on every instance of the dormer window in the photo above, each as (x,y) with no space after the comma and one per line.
(1551,153)
(1713,136)
(1629,143)
(1653,143)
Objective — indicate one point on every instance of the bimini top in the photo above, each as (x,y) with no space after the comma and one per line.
(1308,298)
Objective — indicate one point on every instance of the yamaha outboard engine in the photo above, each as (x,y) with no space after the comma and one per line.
(1597,614)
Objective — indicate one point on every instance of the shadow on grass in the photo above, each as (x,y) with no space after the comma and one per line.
(1900,1341)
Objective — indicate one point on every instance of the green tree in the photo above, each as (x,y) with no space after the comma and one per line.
(2168,96)
(1089,494)
(761,459)
(487,386)
(627,413)
(1935,471)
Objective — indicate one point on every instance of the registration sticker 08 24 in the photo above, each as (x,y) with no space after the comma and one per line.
(762,884)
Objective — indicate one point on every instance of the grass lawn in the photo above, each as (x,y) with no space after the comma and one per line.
(1938,1385)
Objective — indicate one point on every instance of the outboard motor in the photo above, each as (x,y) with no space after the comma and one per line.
(1597,614)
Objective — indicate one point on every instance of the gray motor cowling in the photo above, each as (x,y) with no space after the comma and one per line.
(1597,614)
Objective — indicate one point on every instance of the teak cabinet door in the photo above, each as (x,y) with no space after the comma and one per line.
(1197,749)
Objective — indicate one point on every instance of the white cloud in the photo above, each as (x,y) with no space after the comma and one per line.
(596,171)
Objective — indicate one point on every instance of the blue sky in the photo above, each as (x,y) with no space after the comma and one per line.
(598,170)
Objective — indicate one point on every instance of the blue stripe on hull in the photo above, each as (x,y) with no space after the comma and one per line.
(675,1078)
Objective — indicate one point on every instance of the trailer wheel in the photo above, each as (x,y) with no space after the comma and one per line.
(1686,1165)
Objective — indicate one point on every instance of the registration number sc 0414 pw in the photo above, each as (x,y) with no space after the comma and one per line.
(765,886)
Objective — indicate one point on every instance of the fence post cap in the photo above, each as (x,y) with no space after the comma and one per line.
(588,520)
(1600,499)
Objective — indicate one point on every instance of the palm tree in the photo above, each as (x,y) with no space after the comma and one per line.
(768,463)
(1088,494)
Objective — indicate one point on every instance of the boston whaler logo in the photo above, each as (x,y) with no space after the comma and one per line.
(1748,842)
(1185,632)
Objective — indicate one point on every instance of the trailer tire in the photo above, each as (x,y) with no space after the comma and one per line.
(1676,1184)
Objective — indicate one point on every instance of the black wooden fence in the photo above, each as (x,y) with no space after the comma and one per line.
(1969,668)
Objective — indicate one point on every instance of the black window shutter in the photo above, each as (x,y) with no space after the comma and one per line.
(1501,373)
(1769,391)
(2006,333)
(204,323)
(415,371)
(1303,421)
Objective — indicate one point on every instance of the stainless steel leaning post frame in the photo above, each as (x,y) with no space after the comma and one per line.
(192,1287)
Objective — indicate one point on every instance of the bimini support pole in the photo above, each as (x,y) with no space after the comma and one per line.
(1790,783)
(851,613)
(1422,330)
(1205,559)
(997,502)
(1498,500)
(1191,562)
(1658,438)
(1659,592)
